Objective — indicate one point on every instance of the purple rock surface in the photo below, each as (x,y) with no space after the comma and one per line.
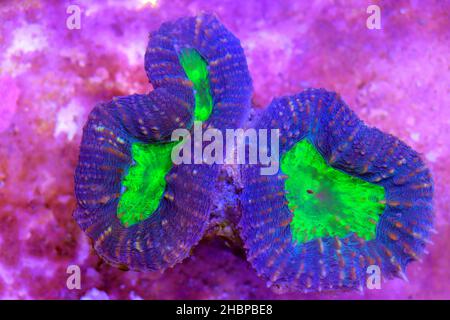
(396,78)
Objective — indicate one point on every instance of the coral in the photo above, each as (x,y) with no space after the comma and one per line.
(141,212)
(333,258)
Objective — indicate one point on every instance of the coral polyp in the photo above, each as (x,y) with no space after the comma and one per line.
(141,211)
(293,239)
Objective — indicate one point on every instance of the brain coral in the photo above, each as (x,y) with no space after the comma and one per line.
(346,196)
(141,211)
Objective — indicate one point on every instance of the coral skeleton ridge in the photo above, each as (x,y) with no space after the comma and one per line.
(347,196)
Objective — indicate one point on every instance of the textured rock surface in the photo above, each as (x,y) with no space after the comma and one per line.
(395,78)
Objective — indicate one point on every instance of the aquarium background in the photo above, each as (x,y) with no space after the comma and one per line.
(396,78)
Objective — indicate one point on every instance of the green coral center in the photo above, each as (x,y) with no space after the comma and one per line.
(196,70)
(145,181)
(326,201)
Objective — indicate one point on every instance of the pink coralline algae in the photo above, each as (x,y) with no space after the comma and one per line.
(9,105)
(394,79)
